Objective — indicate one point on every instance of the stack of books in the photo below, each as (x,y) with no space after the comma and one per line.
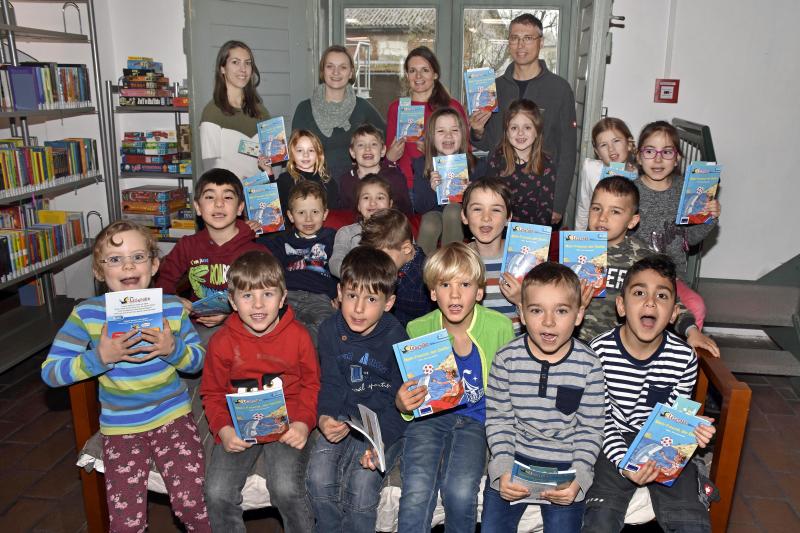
(143,83)
(29,168)
(44,86)
(31,238)
(155,206)
(155,151)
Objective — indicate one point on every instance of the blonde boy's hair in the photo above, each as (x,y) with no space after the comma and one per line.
(106,239)
(255,269)
(453,260)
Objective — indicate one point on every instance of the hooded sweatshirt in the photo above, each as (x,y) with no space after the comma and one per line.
(234,353)
(205,261)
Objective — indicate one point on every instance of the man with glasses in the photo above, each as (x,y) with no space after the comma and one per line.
(528,77)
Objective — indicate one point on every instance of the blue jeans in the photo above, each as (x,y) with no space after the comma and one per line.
(499,516)
(286,472)
(444,453)
(345,495)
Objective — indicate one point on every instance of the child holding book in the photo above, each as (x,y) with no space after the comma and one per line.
(303,251)
(644,364)
(615,210)
(205,256)
(260,341)
(388,230)
(358,368)
(613,142)
(373,193)
(367,150)
(146,410)
(447,451)
(521,161)
(445,134)
(486,209)
(306,162)
(544,406)
(660,186)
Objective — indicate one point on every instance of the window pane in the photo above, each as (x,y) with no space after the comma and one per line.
(486,37)
(380,39)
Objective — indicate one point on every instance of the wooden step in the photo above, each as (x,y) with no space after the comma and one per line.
(748,303)
(760,361)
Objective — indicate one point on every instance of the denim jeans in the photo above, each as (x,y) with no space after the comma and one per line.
(286,472)
(444,453)
(310,309)
(499,516)
(677,508)
(345,495)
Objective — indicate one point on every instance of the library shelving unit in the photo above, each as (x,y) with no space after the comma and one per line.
(112,92)
(27,329)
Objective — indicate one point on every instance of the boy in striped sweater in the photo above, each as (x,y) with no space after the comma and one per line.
(146,411)
(544,406)
(644,364)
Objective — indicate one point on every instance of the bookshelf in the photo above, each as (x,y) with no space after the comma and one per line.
(29,329)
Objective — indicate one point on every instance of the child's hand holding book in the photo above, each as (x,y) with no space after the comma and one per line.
(408,400)
(367,459)
(296,435)
(162,341)
(646,474)
(511,491)
(333,430)
(436,180)
(705,432)
(511,288)
(563,496)
(230,442)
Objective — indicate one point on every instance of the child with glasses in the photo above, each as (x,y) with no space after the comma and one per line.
(660,185)
(146,410)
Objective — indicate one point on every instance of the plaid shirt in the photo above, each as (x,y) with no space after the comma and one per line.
(413,299)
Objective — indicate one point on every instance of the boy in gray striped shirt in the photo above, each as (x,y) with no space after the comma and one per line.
(544,406)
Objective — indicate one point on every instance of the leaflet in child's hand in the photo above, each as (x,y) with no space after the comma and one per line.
(371,429)
(410,120)
(526,246)
(586,253)
(272,140)
(250,148)
(700,184)
(667,437)
(430,360)
(259,416)
(264,206)
(454,172)
(134,310)
(539,479)
(214,303)
(479,84)
(618,169)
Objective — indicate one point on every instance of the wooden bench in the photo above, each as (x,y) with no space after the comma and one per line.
(713,376)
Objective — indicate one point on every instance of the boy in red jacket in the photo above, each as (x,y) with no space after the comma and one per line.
(207,255)
(261,340)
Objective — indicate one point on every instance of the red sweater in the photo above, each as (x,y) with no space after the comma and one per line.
(410,153)
(235,353)
(205,261)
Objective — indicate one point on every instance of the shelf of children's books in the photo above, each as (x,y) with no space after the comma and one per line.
(28,330)
(49,113)
(56,263)
(158,175)
(28,35)
(50,189)
(150,109)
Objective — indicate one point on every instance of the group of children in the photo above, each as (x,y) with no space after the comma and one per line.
(321,310)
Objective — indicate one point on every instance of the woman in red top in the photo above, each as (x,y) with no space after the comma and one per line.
(422,70)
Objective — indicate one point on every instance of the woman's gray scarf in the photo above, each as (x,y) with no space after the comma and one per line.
(330,115)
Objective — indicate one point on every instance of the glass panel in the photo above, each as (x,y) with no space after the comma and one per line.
(486,37)
(380,39)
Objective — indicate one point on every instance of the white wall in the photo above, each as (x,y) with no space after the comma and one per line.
(739,74)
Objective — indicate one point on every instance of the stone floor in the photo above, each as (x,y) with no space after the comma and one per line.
(40,489)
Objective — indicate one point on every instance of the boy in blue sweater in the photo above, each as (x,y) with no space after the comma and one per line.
(303,250)
(358,367)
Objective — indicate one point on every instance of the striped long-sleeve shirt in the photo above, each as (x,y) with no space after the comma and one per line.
(545,411)
(634,386)
(493,298)
(134,397)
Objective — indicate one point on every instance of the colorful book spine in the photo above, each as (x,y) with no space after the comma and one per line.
(526,246)
(264,206)
(272,140)
(155,193)
(586,253)
(481,90)
(454,173)
(429,359)
(410,122)
(700,185)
